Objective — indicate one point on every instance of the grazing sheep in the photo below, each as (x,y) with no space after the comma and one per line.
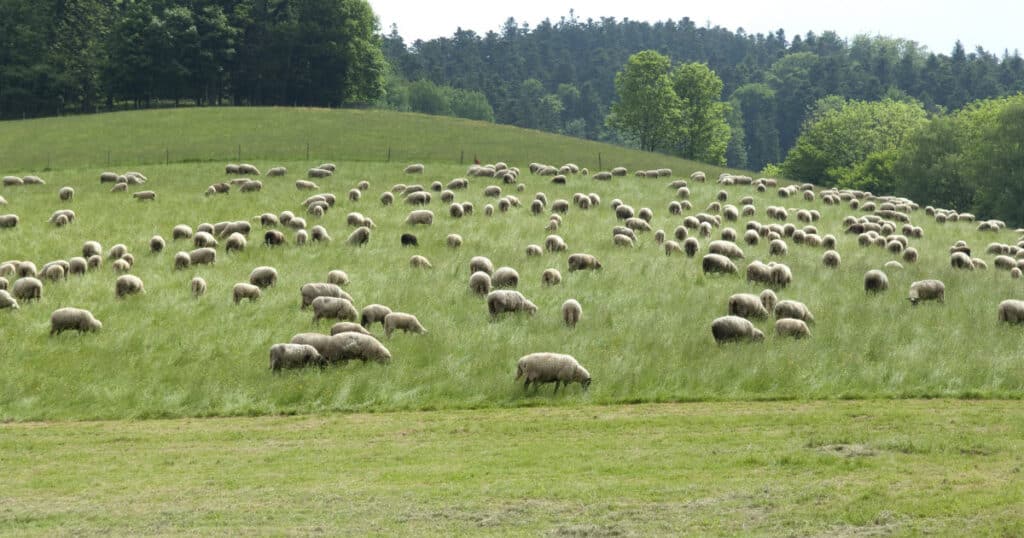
(481,263)
(420,216)
(716,263)
(769,299)
(746,305)
(66,194)
(284,356)
(273,238)
(730,328)
(318,173)
(418,198)
(550,277)
(875,281)
(348,327)
(409,240)
(572,312)
(263,277)
(182,260)
(501,301)
(203,239)
(581,261)
(144,195)
(242,290)
(534,250)
(304,185)
(831,259)
(25,268)
(792,327)
(198,287)
(961,260)
(128,285)
(337,277)
(76,319)
(400,320)
(555,243)
(346,346)
(53,273)
(387,198)
(359,237)
(419,262)
(505,277)
(181,231)
(453,240)
(414,169)
(726,248)
(248,169)
(204,255)
(781,275)
(793,309)
(27,288)
(777,247)
(313,290)
(77,266)
(1016,273)
(333,308)
(927,290)
(557,368)
(277,171)
(7,301)
(236,241)
(1011,311)
(480,283)
(372,314)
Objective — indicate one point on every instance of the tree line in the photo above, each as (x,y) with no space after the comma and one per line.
(69,56)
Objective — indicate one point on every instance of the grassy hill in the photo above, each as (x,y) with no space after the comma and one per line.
(132,139)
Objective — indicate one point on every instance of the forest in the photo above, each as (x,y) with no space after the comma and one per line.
(811,107)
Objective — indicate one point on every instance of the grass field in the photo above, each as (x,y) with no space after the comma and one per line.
(864,468)
(644,337)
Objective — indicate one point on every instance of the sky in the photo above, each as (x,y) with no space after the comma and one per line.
(936,24)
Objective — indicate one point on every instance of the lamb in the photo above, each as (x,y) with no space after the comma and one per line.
(792,327)
(359,237)
(453,240)
(236,241)
(403,321)
(729,328)
(557,368)
(263,277)
(372,314)
(7,301)
(501,301)
(716,263)
(313,290)
(337,277)
(875,281)
(571,313)
(419,262)
(1011,311)
(551,277)
(181,260)
(76,319)
(273,238)
(201,256)
(480,283)
(333,308)
(128,285)
(927,290)
(793,309)
(505,277)
(348,326)
(27,289)
(242,290)
(481,263)
(409,240)
(581,261)
(144,195)
(198,287)
(61,217)
(746,305)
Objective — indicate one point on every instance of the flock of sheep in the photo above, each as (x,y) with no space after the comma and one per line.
(882,222)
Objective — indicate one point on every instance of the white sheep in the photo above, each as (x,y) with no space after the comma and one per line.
(373,313)
(729,328)
(792,327)
(480,283)
(337,277)
(333,308)
(875,281)
(401,320)
(198,287)
(7,301)
(76,319)
(793,309)
(926,290)
(557,368)
(505,277)
(263,276)
(716,263)
(1011,311)
(572,312)
(243,290)
(27,289)
(501,301)
(284,356)
(551,277)
(747,305)
(582,261)
(312,290)
(128,285)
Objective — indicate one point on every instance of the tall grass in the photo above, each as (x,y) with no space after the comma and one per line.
(644,335)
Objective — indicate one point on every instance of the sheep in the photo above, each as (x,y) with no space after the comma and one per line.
(94,262)
(128,285)
(414,169)
(501,301)
(312,290)
(534,250)
(227,228)
(337,277)
(27,288)
(263,277)
(251,186)
(781,275)
(409,240)
(730,328)
(77,266)
(505,277)
(204,255)
(554,243)
(769,299)
(418,198)
(716,263)
(373,313)
(582,261)
(792,327)
(359,237)
(346,327)
(979,264)
(420,262)
(203,239)
(277,171)
(25,268)
(76,319)
(875,281)
(236,241)
(346,346)
(198,287)
(144,195)
(926,290)
(65,194)
(53,273)
(108,177)
(572,312)
(960,260)
(746,305)
(481,263)
(181,231)
(248,169)
(318,173)
(420,216)
(793,309)
(7,301)
(61,217)
(242,290)
(284,356)
(12,181)
(831,259)
(400,320)
(1011,311)
(182,260)
(333,308)
(387,199)
(726,248)
(453,240)
(557,368)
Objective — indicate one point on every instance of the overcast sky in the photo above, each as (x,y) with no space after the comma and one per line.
(937,24)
